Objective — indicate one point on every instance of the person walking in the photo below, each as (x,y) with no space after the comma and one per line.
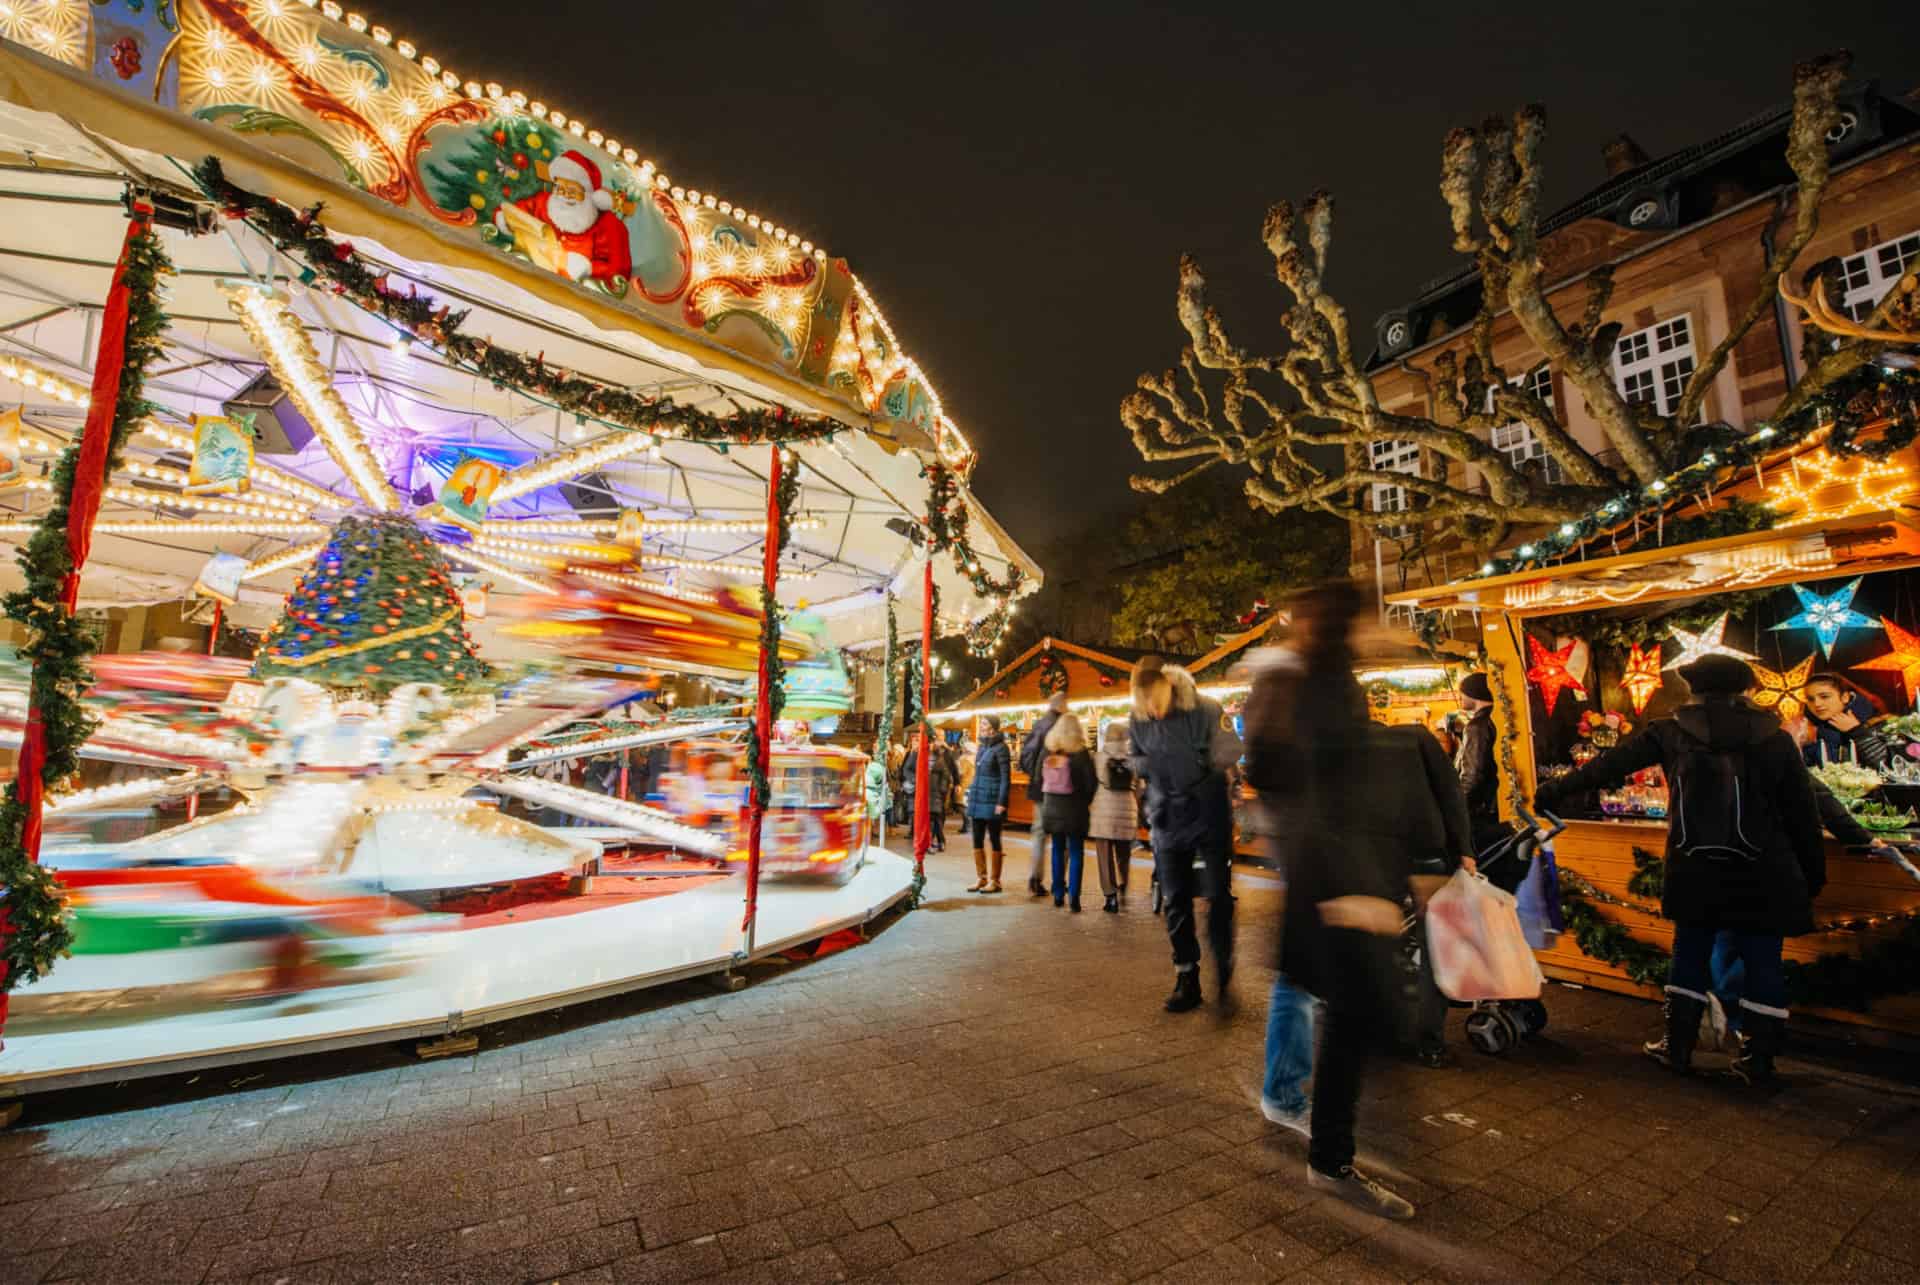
(1115,819)
(1032,750)
(1348,797)
(1175,736)
(1066,799)
(987,802)
(1744,853)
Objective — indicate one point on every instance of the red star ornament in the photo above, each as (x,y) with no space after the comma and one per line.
(1642,678)
(1549,672)
(1905,657)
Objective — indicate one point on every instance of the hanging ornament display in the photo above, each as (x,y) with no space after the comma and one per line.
(1642,678)
(1705,643)
(222,455)
(631,528)
(11,474)
(219,579)
(1827,616)
(1780,689)
(1547,670)
(1904,659)
(467,493)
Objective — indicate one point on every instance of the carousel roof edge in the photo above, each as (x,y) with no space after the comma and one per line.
(757,324)
(1842,537)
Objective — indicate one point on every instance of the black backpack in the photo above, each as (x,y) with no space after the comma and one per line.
(1714,812)
(1119,775)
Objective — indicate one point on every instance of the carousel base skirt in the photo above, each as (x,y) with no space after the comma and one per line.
(162,1012)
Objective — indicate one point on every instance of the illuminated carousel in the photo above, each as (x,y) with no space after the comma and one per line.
(459,434)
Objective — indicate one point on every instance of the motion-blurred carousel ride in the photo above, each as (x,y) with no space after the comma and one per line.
(454,440)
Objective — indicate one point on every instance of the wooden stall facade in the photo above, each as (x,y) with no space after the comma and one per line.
(1602,851)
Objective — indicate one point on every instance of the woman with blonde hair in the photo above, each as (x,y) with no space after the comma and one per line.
(1067,786)
(1181,745)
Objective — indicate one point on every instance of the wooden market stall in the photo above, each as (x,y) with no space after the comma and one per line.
(1567,645)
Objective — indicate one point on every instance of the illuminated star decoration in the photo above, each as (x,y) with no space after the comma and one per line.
(1549,672)
(1827,616)
(1705,643)
(1781,688)
(1642,678)
(1904,657)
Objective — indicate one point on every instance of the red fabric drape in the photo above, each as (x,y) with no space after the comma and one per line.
(89,485)
(922,805)
(763,704)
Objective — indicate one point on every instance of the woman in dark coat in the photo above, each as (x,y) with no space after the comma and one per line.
(1067,785)
(1351,805)
(1744,853)
(987,802)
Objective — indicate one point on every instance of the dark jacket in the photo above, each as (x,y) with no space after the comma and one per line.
(1836,820)
(1186,796)
(1444,835)
(1773,894)
(992,779)
(1068,813)
(1033,749)
(940,774)
(1474,764)
(1351,804)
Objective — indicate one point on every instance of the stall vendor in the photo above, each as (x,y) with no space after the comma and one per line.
(1848,724)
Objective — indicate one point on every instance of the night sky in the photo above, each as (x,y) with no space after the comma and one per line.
(1016,182)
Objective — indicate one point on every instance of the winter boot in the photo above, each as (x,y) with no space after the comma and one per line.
(979,869)
(993,870)
(1675,1049)
(1186,990)
(1765,1033)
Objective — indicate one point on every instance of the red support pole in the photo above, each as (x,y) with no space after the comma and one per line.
(626,762)
(922,805)
(213,634)
(763,702)
(83,508)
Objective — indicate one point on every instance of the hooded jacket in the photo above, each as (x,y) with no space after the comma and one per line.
(1187,805)
(992,779)
(1474,763)
(1116,814)
(1772,894)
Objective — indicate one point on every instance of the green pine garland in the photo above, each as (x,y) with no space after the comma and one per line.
(946,526)
(1602,629)
(1873,394)
(301,233)
(787,495)
(58,645)
(1649,878)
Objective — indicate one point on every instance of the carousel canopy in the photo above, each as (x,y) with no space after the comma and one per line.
(557,242)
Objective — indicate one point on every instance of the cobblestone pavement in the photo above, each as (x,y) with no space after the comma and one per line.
(988,1090)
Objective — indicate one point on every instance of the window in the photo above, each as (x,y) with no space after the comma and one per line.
(1866,277)
(1516,441)
(1393,457)
(1651,367)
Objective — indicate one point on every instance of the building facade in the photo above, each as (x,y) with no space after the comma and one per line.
(1687,237)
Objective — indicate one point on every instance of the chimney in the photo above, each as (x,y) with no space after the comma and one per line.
(1623,155)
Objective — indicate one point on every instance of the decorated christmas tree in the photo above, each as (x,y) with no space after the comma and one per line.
(377,611)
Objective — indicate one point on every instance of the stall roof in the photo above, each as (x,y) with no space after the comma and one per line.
(1882,540)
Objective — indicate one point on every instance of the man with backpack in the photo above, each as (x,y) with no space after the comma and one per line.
(1744,852)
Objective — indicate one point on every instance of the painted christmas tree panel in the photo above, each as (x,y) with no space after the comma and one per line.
(377,610)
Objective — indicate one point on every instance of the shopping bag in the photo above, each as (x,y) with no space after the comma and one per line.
(1538,900)
(1479,950)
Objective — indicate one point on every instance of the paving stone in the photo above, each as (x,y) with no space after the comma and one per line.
(1044,1121)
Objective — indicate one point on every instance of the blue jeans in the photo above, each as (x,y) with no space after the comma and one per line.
(1729,976)
(1289,1046)
(1764,978)
(1069,850)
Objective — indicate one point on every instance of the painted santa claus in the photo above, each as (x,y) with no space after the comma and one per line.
(580,212)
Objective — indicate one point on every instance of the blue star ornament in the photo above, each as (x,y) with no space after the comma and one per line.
(1828,616)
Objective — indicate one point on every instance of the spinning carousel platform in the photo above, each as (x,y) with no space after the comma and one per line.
(435,982)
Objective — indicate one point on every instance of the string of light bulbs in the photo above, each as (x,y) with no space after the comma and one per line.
(284,342)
